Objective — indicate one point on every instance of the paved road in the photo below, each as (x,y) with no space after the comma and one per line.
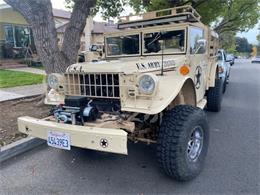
(232,165)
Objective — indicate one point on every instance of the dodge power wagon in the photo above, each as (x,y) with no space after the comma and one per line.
(159,74)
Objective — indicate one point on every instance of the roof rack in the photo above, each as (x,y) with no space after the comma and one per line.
(165,16)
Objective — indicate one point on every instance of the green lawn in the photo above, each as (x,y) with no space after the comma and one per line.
(10,78)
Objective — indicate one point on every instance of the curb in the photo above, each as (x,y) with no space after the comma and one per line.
(19,147)
(22,97)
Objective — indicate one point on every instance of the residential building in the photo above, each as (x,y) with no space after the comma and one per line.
(15,32)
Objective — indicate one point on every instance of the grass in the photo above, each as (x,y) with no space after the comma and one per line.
(9,78)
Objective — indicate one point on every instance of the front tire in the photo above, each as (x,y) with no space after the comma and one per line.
(183,142)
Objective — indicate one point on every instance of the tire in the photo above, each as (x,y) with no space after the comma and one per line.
(225,85)
(173,138)
(214,96)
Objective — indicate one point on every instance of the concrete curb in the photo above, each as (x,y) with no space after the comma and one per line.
(22,97)
(19,147)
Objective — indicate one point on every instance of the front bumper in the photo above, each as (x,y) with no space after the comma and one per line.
(80,136)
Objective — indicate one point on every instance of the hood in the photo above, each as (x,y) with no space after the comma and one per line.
(129,65)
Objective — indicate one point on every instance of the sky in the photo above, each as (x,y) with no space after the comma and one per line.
(250,35)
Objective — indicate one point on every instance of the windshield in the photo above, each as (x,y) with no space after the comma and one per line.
(123,45)
(220,56)
(167,42)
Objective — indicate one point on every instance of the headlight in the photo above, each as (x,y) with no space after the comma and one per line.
(147,83)
(54,81)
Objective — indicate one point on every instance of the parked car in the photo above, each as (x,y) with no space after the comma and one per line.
(231,58)
(256,59)
(224,68)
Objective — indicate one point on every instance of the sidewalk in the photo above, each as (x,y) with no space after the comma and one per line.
(19,92)
(30,70)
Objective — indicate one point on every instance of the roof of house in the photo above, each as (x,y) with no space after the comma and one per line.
(61,13)
(56,12)
(4,6)
(61,27)
(102,27)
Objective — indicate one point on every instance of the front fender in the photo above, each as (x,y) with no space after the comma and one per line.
(168,88)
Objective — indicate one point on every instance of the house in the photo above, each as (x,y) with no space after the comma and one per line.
(94,31)
(15,32)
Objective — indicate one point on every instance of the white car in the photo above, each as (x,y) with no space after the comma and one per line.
(256,59)
(224,68)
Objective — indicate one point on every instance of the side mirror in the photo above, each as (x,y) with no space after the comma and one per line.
(228,59)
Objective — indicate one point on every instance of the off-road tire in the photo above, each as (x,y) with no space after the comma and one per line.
(173,137)
(214,96)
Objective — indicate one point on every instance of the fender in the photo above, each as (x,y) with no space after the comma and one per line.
(168,89)
(212,75)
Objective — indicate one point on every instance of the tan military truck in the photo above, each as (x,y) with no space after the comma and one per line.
(159,73)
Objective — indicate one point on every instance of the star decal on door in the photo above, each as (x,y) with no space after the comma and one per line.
(197,79)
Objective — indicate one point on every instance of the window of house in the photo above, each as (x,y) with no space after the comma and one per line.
(22,36)
(18,36)
(9,36)
(195,35)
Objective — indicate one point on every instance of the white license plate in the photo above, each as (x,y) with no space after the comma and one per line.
(58,140)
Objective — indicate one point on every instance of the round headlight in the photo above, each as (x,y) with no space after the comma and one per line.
(147,84)
(53,81)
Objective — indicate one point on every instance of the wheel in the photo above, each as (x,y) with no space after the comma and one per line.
(225,85)
(183,142)
(214,96)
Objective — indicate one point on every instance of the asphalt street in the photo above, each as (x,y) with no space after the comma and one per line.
(232,165)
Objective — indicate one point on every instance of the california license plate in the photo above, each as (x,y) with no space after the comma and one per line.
(58,140)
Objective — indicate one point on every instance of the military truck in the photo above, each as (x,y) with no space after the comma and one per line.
(159,73)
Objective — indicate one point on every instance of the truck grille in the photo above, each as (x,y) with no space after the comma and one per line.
(93,85)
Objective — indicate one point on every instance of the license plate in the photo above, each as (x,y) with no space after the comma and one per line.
(59,140)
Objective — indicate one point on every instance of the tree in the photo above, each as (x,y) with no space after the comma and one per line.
(243,46)
(228,41)
(38,14)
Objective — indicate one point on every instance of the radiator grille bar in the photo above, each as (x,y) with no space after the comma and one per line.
(93,85)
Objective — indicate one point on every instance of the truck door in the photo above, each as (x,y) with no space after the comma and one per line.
(198,58)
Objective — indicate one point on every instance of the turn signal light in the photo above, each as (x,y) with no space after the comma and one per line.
(184,70)
(220,69)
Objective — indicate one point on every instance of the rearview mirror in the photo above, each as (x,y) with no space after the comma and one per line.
(202,42)
(93,48)
(201,46)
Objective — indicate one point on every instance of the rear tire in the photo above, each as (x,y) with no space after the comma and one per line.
(181,155)
(225,85)
(214,96)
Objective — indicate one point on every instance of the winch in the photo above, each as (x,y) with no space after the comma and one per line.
(76,110)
